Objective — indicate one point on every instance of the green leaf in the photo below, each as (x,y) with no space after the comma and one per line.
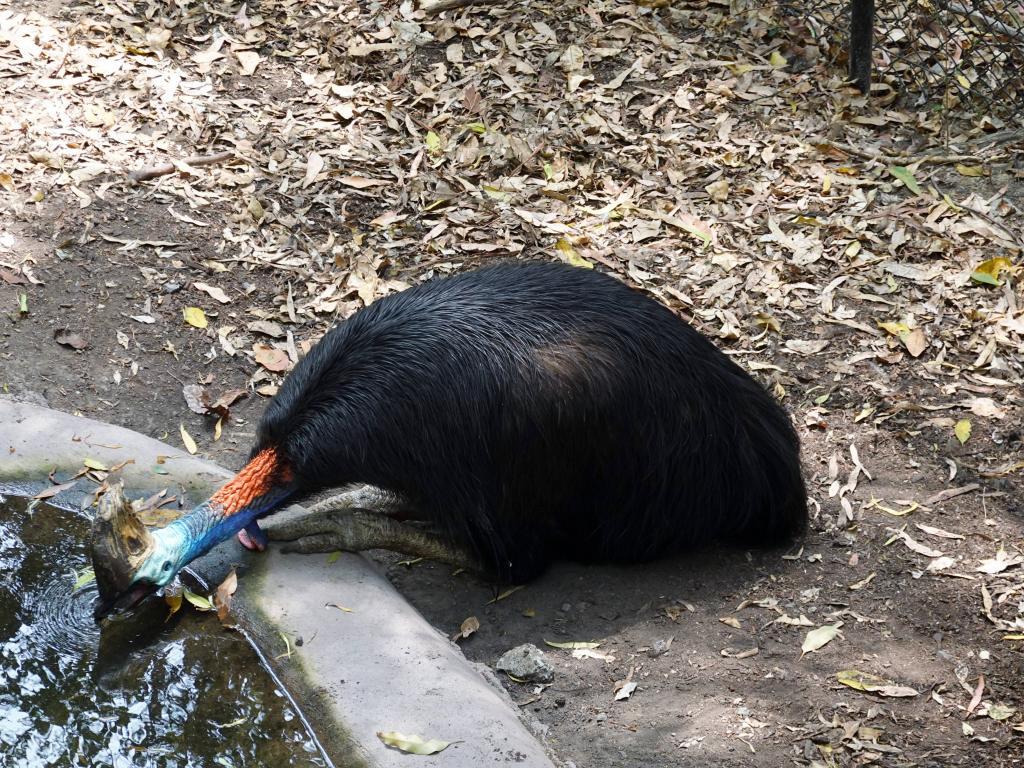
(433,142)
(99,466)
(984,277)
(415,745)
(198,601)
(23,303)
(85,576)
(477,127)
(962,430)
(496,193)
(905,175)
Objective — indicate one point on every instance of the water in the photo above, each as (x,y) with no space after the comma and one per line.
(177,693)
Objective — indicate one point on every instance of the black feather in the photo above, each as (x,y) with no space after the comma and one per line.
(537,411)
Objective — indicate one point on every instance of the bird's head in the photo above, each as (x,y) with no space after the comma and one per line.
(132,561)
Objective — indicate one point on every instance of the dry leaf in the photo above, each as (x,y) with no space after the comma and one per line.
(360,182)
(186,438)
(213,291)
(819,638)
(864,681)
(271,358)
(222,597)
(415,745)
(66,338)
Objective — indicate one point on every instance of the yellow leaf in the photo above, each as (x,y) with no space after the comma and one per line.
(415,745)
(896,329)
(864,681)
(826,184)
(173,600)
(971,170)
(195,317)
(99,466)
(962,430)
(994,266)
(572,645)
(433,142)
(569,254)
(217,428)
(819,638)
(777,60)
(186,438)
(852,249)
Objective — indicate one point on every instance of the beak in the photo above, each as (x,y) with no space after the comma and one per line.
(120,545)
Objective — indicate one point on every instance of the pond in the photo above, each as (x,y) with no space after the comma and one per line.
(151,690)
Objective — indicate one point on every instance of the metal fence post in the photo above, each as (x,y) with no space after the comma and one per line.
(862,22)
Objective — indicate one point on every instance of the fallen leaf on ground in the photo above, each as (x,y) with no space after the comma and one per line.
(271,358)
(213,291)
(625,690)
(66,338)
(572,644)
(195,317)
(186,438)
(864,681)
(819,638)
(415,745)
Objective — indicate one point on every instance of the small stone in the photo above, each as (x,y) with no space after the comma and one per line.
(601,717)
(658,648)
(526,662)
(170,288)
(566,607)
(560,701)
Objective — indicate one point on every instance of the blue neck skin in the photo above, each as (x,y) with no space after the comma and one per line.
(201,530)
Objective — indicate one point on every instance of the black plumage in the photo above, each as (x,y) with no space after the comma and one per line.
(535,411)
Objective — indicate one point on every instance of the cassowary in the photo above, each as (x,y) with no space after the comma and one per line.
(525,411)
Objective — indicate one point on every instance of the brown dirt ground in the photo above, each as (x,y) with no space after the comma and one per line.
(723,694)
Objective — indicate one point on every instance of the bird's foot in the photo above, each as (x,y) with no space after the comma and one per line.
(253,538)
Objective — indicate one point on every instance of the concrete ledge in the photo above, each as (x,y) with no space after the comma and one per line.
(381,667)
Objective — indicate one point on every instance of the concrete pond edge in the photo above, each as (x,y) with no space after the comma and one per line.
(360,659)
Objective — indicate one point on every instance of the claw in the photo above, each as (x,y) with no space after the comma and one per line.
(253,538)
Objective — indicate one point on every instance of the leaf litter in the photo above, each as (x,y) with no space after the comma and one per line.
(680,147)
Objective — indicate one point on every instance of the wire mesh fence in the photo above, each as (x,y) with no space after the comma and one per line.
(956,54)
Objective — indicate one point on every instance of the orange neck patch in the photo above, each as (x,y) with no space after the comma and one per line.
(257,478)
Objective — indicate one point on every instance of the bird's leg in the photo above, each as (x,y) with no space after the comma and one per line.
(355,530)
(365,497)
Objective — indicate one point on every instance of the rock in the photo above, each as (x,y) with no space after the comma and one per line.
(659,647)
(526,662)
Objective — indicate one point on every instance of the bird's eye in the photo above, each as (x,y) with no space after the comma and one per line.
(166,566)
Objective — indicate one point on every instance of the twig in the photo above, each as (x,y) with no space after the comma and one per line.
(439,6)
(144,174)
